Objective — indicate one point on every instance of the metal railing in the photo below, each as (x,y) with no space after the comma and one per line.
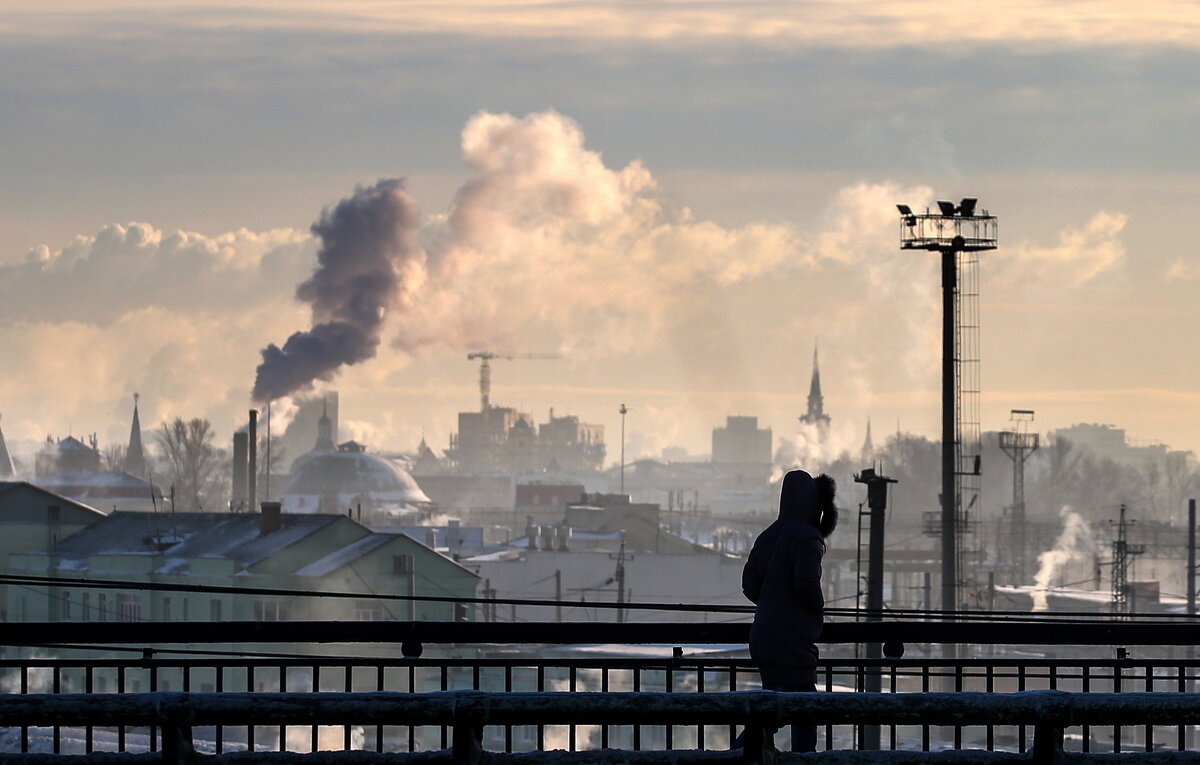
(469,713)
(521,658)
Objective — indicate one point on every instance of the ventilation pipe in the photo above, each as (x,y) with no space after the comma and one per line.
(271,518)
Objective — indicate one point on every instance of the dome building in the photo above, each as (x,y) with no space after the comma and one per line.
(349,478)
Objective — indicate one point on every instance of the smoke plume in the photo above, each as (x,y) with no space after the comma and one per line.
(1073,545)
(367,261)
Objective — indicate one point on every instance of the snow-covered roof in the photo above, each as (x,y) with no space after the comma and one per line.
(181,536)
(346,555)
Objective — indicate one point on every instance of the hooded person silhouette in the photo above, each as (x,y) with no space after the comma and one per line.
(783,578)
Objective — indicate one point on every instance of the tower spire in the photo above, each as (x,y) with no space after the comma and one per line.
(325,429)
(135,457)
(868,447)
(6,464)
(816,402)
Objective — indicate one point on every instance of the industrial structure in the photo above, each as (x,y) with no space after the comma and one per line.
(958,233)
(1019,443)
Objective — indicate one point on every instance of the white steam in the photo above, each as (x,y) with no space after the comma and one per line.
(1074,544)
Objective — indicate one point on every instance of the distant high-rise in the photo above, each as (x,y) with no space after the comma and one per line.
(6,463)
(816,402)
(135,456)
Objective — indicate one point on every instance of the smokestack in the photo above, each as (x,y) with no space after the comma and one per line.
(241,456)
(252,480)
(563,539)
(531,532)
(453,538)
(271,518)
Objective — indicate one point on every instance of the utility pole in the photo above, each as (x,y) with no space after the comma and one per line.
(624,410)
(877,501)
(558,595)
(620,578)
(1191,601)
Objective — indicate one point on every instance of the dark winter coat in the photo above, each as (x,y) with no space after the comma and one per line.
(783,577)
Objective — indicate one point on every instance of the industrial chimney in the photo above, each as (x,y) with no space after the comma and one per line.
(252,479)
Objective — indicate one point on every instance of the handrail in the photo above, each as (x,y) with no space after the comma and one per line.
(1050,712)
(1090,633)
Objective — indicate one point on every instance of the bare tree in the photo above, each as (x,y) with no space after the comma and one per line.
(114,456)
(194,465)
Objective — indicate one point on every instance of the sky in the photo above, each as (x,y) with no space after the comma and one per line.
(680,198)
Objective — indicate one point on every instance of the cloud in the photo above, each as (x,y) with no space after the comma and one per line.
(1183,270)
(544,234)
(1080,256)
(545,247)
(125,267)
(868,23)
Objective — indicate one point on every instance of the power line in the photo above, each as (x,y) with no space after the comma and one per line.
(929,615)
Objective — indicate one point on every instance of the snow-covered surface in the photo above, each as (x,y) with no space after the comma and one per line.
(346,555)
(185,536)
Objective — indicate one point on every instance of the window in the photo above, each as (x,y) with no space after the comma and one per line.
(185,609)
(66,605)
(129,607)
(214,610)
(271,611)
(402,564)
(103,608)
(166,609)
(86,607)
(369,611)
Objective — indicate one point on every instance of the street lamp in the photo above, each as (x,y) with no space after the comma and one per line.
(954,229)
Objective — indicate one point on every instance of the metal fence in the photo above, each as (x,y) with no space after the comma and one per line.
(489,664)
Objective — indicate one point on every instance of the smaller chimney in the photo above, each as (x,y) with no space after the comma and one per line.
(252,458)
(271,518)
(531,532)
(241,457)
(453,538)
(564,539)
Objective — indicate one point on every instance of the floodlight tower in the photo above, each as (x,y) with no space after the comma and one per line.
(1018,443)
(957,233)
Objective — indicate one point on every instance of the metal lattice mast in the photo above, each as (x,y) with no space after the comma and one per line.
(1018,443)
(966,426)
(1122,553)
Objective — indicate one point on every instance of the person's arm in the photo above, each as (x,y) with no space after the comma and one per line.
(752,574)
(806,575)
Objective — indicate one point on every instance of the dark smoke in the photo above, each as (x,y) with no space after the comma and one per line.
(364,241)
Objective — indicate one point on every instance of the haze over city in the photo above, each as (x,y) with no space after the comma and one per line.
(680,203)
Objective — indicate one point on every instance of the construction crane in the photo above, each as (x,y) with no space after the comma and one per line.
(485,370)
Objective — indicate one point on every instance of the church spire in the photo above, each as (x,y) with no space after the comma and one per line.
(868,448)
(816,402)
(135,457)
(6,464)
(325,430)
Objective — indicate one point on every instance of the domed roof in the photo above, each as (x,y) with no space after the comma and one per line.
(352,471)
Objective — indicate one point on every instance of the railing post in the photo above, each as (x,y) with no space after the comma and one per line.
(1048,744)
(466,747)
(177,746)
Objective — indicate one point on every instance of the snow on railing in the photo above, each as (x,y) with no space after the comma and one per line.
(175,714)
